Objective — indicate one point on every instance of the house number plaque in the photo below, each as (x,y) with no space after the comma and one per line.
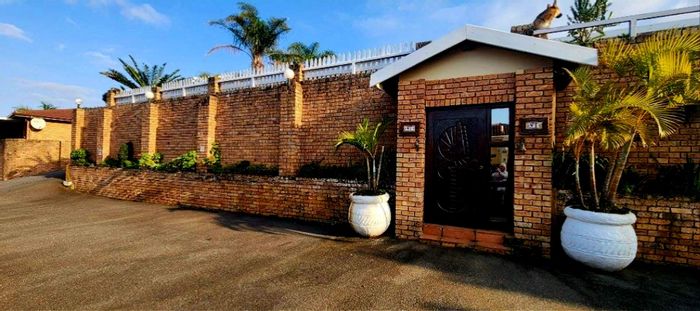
(409,128)
(534,126)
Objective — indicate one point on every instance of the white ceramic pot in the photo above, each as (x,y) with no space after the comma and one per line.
(600,240)
(369,215)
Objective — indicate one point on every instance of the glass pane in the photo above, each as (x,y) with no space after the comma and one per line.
(500,124)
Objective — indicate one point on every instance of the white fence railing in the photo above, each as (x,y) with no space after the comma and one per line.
(631,21)
(132,96)
(184,87)
(346,63)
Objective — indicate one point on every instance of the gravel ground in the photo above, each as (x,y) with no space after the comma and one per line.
(64,250)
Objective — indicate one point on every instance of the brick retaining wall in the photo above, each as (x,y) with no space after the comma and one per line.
(301,198)
(668,229)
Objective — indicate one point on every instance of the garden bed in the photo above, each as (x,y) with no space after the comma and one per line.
(322,200)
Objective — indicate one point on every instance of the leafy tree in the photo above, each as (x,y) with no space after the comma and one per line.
(251,35)
(298,52)
(366,139)
(659,78)
(47,106)
(21,108)
(583,11)
(139,76)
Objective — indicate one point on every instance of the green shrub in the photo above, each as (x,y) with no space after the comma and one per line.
(80,157)
(151,161)
(110,162)
(184,163)
(213,162)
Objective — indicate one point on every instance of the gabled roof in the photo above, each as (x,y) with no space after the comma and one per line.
(516,42)
(61,115)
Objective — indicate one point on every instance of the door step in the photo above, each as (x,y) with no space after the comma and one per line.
(483,240)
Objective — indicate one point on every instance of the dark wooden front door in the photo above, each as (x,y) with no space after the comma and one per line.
(459,170)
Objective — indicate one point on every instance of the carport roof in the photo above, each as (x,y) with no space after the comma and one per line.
(516,42)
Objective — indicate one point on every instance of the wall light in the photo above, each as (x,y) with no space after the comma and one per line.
(150,95)
(289,74)
(78,102)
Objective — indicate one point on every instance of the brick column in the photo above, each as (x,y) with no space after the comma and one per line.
(532,170)
(410,161)
(149,127)
(77,128)
(291,104)
(104,135)
(206,119)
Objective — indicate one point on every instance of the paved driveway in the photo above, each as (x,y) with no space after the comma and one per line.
(64,250)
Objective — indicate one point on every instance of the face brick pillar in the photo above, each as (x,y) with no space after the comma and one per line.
(291,103)
(410,161)
(104,134)
(149,124)
(206,119)
(77,128)
(533,197)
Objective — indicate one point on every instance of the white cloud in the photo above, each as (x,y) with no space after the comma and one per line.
(145,13)
(141,12)
(71,21)
(53,92)
(12,31)
(101,59)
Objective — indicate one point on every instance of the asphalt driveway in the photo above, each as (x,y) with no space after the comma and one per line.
(64,250)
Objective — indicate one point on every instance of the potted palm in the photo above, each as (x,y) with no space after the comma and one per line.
(369,213)
(613,117)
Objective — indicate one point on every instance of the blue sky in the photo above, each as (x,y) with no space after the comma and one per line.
(54,50)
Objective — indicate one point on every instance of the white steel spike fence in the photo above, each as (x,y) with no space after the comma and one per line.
(132,96)
(344,63)
(185,87)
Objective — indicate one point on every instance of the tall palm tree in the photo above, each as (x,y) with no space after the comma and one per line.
(251,35)
(140,76)
(659,76)
(298,52)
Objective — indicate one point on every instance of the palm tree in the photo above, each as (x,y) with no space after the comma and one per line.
(659,77)
(366,139)
(298,52)
(47,106)
(140,76)
(251,35)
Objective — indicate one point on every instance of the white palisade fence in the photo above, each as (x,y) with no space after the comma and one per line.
(185,87)
(132,96)
(345,63)
(356,62)
(270,75)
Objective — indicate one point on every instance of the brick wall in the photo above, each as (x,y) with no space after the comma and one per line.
(177,126)
(336,104)
(53,131)
(532,92)
(88,140)
(668,229)
(23,157)
(126,127)
(532,168)
(300,198)
(247,125)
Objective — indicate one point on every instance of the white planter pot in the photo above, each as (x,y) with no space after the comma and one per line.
(369,215)
(600,240)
